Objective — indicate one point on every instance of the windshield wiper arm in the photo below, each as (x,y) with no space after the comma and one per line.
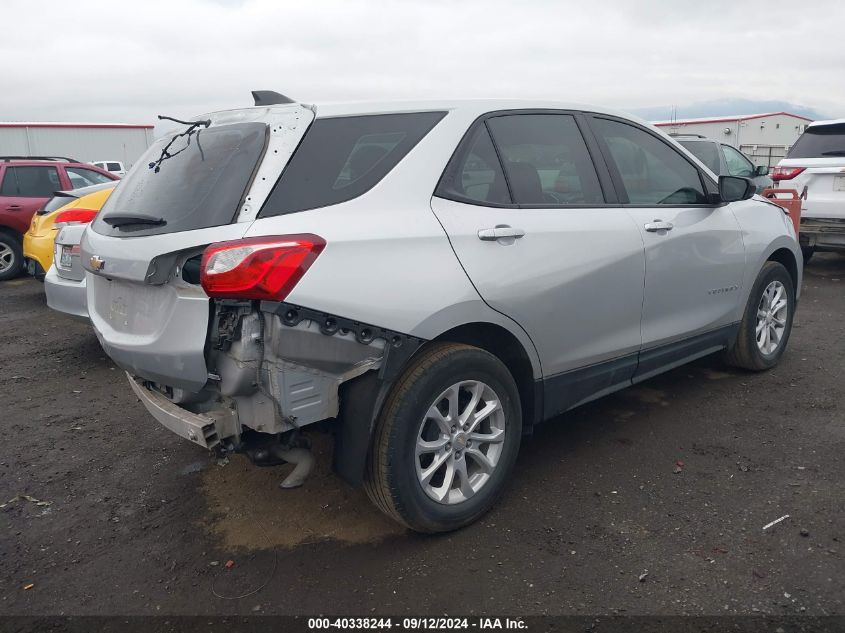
(124,220)
(834,152)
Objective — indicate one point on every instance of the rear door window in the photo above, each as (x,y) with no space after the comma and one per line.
(200,185)
(30,182)
(476,176)
(651,172)
(113,167)
(344,157)
(546,160)
(820,141)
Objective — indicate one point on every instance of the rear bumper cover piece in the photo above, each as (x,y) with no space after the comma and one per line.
(66,295)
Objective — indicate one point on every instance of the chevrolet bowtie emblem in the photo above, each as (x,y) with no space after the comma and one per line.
(97,262)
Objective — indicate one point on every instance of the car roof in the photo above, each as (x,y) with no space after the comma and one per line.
(476,107)
(469,107)
(38,160)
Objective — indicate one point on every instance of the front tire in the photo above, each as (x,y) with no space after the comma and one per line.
(447,439)
(767,321)
(11,256)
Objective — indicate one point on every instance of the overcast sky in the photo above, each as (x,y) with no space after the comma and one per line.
(128,61)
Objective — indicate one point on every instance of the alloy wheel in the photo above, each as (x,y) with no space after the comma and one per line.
(460,442)
(7,257)
(772,313)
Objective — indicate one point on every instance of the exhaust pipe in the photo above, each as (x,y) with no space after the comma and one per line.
(270,452)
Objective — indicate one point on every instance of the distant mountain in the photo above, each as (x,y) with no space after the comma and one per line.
(724,107)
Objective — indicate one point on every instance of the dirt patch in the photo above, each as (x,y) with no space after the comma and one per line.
(712,374)
(646,395)
(250,510)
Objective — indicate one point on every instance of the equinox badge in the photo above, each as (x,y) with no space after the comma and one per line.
(97,262)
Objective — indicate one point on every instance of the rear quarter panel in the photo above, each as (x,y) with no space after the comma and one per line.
(766,228)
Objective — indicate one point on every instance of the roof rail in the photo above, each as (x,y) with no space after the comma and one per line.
(7,159)
(687,134)
(269,97)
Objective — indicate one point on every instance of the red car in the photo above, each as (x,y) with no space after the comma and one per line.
(26,183)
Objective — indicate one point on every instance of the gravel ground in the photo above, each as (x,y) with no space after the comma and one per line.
(651,501)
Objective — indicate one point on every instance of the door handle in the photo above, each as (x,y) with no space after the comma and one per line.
(14,207)
(501,231)
(659,225)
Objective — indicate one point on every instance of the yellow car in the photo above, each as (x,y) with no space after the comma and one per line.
(78,206)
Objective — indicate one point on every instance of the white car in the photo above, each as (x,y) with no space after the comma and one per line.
(64,283)
(114,166)
(815,166)
(431,279)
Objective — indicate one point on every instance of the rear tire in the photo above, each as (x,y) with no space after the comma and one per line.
(767,321)
(430,466)
(11,256)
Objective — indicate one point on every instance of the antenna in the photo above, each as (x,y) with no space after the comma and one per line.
(270,97)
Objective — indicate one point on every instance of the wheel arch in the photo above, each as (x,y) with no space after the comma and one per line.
(787,258)
(502,343)
(11,232)
(362,398)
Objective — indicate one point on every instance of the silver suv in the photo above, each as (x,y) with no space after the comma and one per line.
(432,278)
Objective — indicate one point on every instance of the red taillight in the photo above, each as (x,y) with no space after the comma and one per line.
(786,173)
(258,267)
(75,216)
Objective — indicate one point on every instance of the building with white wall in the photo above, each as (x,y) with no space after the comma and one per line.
(765,138)
(83,141)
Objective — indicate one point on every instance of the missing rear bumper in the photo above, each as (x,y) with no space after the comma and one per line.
(205,429)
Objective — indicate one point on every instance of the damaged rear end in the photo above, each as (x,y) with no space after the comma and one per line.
(202,331)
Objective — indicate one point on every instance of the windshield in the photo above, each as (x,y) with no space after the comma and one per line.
(820,141)
(199,185)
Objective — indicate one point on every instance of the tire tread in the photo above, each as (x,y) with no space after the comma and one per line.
(742,353)
(379,483)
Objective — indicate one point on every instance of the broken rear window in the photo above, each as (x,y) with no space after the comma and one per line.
(199,186)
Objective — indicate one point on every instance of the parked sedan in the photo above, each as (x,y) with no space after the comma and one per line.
(724,160)
(64,283)
(432,278)
(77,206)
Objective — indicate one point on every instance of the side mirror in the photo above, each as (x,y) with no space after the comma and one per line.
(761,170)
(735,188)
